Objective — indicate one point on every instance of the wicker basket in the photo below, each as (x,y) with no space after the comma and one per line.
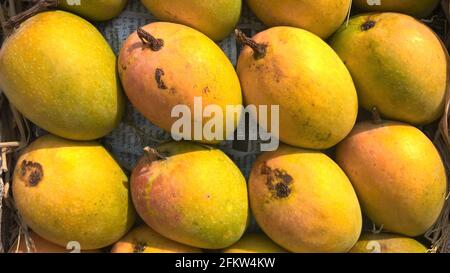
(15,134)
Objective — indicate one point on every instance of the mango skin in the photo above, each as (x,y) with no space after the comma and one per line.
(205,205)
(41,246)
(398,175)
(254,243)
(301,74)
(143,239)
(418,8)
(388,243)
(193,66)
(390,64)
(304,202)
(216,19)
(67,87)
(321,17)
(95,10)
(80,194)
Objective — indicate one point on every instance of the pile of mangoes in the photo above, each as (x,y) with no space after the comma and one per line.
(61,74)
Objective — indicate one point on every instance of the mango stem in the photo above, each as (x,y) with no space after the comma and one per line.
(42,5)
(259,50)
(149,40)
(151,153)
(376,117)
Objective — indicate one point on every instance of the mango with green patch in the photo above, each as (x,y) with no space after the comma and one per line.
(304,202)
(191,194)
(398,64)
(59,72)
(297,71)
(72,191)
(96,10)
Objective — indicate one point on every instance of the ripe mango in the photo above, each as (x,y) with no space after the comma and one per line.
(321,17)
(387,243)
(398,65)
(304,202)
(143,239)
(96,10)
(216,19)
(296,70)
(397,173)
(185,64)
(60,73)
(41,246)
(254,243)
(418,8)
(191,194)
(72,191)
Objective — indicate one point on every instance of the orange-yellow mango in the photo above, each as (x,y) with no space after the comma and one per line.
(96,10)
(254,243)
(397,173)
(387,243)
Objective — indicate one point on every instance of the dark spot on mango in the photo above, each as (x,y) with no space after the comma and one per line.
(139,247)
(368,25)
(206,90)
(158,77)
(31,172)
(278,181)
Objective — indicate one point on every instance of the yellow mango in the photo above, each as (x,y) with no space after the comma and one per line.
(387,243)
(254,243)
(60,73)
(72,191)
(96,10)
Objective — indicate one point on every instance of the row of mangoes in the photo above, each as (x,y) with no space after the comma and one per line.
(195,195)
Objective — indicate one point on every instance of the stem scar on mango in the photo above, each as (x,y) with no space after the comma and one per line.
(139,247)
(278,181)
(150,41)
(368,25)
(31,172)
(259,50)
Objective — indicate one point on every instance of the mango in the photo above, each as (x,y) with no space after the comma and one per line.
(254,243)
(171,65)
(41,245)
(418,8)
(321,17)
(397,173)
(65,86)
(216,19)
(143,239)
(296,70)
(387,243)
(191,194)
(96,10)
(304,202)
(72,191)
(398,64)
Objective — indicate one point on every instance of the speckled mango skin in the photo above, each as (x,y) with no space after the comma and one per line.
(397,173)
(197,196)
(143,239)
(317,211)
(388,243)
(193,66)
(96,10)
(60,73)
(301,74)
(398,66)
(419,8)
(321,17)
(82,195)
(254,243)
(216,19)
